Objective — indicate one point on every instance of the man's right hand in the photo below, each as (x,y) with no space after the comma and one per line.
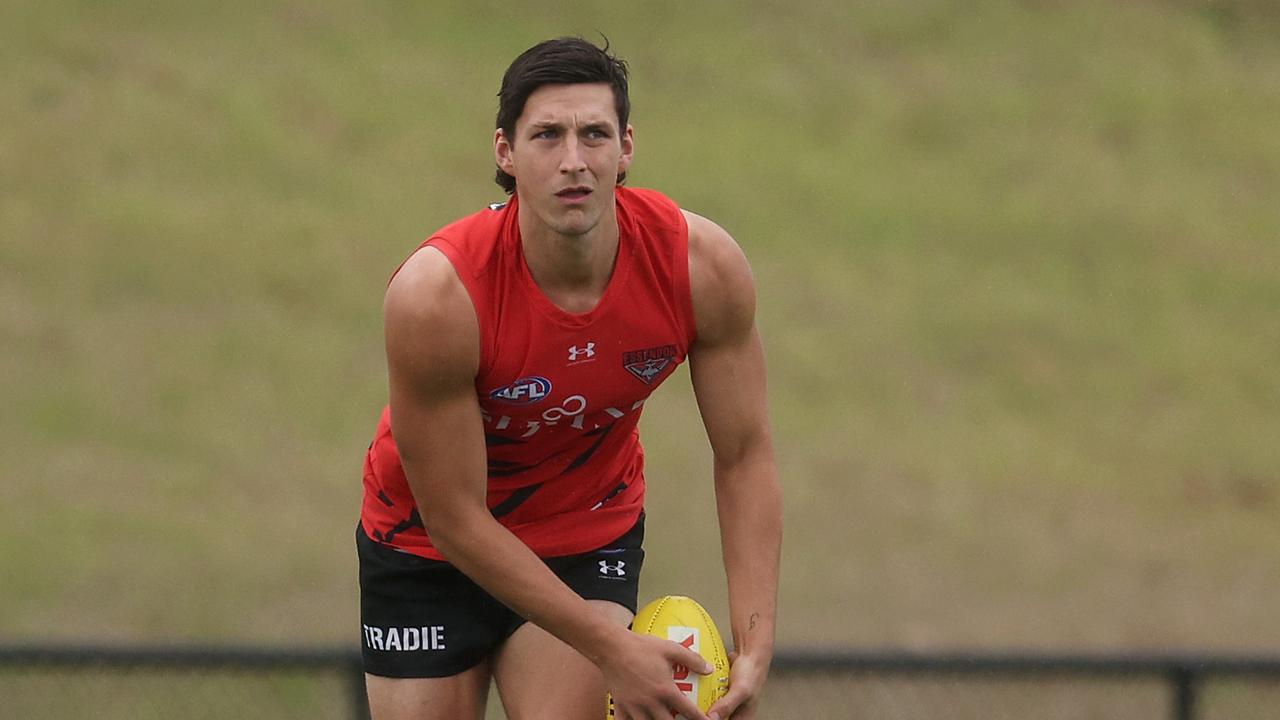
(638,671)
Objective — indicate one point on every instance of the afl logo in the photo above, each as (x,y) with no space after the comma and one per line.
(525,391)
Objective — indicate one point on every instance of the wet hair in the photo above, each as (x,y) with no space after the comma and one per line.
(562,61)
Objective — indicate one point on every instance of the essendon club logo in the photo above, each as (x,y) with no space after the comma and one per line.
(649,363)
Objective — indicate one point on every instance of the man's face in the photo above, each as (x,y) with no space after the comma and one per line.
(566,155)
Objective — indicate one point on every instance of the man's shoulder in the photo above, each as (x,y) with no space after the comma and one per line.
(645,198)
(719,278)
(471,243)
(489,218)
(427,279)
(643,194)
(649,209)
(428,316)
(710,242)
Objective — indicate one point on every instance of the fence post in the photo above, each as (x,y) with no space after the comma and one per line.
(358,694)
(1183,678)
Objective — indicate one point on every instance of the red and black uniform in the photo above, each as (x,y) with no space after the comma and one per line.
(560,393)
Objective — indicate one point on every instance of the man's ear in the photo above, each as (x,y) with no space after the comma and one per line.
(502,152)
(628,149)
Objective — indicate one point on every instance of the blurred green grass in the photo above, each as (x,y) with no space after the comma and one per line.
(1018,266)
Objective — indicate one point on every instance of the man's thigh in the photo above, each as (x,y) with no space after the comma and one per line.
(541,678)
(460,696)
(538,676)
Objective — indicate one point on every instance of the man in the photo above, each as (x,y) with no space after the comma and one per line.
(501,528)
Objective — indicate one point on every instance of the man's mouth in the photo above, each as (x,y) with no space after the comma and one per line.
(578,192)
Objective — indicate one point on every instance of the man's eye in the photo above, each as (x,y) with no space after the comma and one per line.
(545,134)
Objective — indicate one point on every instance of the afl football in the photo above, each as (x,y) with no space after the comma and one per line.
(681,619)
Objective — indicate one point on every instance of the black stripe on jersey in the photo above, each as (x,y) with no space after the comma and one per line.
(507,468)
(612,494)
(586,454)
(414,521)
(514,500)
(495,440)
(497,470)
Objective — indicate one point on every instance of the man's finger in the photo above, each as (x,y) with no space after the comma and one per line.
(686,708)
(688,658)
(725,707)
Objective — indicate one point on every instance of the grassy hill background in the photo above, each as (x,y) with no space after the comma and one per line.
(1019,267)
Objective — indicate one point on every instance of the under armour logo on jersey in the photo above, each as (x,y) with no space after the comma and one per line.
(587,352)
(608,569)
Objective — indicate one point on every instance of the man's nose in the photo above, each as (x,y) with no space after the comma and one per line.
(572,160)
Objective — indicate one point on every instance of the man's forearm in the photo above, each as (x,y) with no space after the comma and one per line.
(506,568)
(749,505)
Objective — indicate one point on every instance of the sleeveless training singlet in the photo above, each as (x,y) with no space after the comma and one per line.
(560,393)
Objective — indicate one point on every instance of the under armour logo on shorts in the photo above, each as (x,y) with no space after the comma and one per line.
(608,569)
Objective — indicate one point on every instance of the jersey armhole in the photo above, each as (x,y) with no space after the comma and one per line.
(463,271)
(683,286)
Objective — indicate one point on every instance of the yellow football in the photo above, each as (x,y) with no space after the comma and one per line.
(683,620)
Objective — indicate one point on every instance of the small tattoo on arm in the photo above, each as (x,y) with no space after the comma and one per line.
(752,624)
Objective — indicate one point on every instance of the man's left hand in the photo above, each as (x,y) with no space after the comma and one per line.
(746,677)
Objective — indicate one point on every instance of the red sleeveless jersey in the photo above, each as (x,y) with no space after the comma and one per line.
(560,393)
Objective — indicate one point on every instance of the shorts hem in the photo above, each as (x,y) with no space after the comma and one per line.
(420,673)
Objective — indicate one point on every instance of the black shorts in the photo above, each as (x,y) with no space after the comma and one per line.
(425,618)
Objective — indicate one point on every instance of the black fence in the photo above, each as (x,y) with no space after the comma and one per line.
(139,682)
(1154,686)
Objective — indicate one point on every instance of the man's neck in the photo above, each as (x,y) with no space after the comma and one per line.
(571,270)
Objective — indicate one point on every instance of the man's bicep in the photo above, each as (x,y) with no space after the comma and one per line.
(432,343)
(727,360)
(729,384)
(441,445)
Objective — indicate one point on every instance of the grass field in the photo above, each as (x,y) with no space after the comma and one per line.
(1019,267)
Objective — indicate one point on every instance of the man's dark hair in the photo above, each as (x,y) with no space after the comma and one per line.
(563,61)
